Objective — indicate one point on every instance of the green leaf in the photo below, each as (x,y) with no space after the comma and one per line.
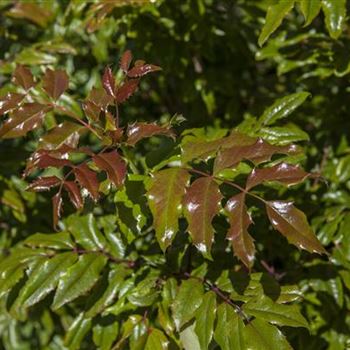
(76,332)
(274,17)
(310,9)
(187,301)
(85,231)
(282,107)
(229,329)
(282,315)
(205,317)
(165,198)
(78,279)
(283,135)
(61,240)
(202,203)
(115,279)
(260,335)
(104,335)
(44,279)
(189,339)
(156,340)
(335,13)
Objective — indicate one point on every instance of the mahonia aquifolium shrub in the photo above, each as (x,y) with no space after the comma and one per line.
(71,262)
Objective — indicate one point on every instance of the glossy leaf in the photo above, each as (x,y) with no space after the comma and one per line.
(78,279)
(104,335)
(282,107)
(260,335)
(165,198)
(113,164)
(22,120)
(85,232)
(108,82)
(77,331)
(201,204)
(61,240)
(274,17)
(139,131)
(23,76)
(292,223)
(205,317)
(242,242)
(87,180)
(282,315)
(74,194)
(257,153)
(310,9)
(44,183)
(10,101)
(156,340)
(66,133)
(44,279)
(55,83)
(126,90)
(187,301)
(125,61)
(335,12)
(229,329)
(284,173)
(140,71)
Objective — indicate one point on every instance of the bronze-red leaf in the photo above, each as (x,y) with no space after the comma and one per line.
(259,152)
(113,164)
(74,194)
(284,173)
(242,242)
(10,101)
(87,179)
(201,204)
(292,223)
(139,131)
(23,77)
(56,208)
(108,82)
(100,98)
(24,119)
(125,61)
(44,183)
(55,83)
(92,110)
(126,90)
(140,71)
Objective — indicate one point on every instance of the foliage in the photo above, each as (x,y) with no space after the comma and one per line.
(166,232)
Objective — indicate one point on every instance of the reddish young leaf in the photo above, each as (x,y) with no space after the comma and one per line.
(126,90)
(55,83)
(74,194)
(242,242)
(100,98)
(66,133)
(10,101)
(91,110)
(87,179)
(140,70)
(44,183)
(201,204)
(292,223)
(259,152)
(23,77)
(165,197)
(31,11)
(56,208)
(23,120)
(285,173)
(108,82)
(139,131)
(125,61)
(113,164)
(44,160)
